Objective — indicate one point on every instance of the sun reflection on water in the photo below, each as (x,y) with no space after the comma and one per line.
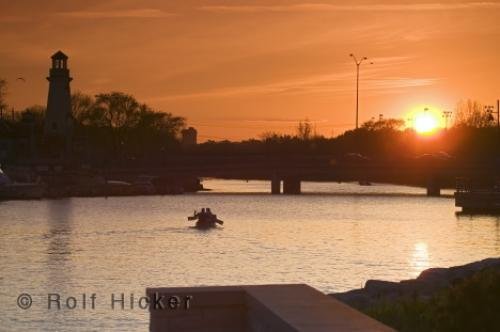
(420,258)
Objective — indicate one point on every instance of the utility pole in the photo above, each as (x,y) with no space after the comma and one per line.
(498,113)
(358,64)
(412,124)
(490,110)
(446,116)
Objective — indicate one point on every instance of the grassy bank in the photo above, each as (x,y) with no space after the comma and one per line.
(471,304)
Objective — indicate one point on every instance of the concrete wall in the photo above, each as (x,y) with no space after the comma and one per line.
(220,309)
(266,308)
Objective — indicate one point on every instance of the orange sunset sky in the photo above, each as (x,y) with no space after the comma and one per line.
(236,69)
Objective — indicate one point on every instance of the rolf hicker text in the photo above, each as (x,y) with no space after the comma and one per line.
(119,301)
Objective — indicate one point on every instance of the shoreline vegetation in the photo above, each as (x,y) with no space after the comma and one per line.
(115,129)
(115,132)
(460,298)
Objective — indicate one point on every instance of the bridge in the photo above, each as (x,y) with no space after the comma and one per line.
(431,173)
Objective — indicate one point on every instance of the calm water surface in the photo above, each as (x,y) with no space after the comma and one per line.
(334,237)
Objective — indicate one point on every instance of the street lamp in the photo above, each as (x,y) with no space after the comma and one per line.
(446,116)
(411,120)
(490,111)
(358,64)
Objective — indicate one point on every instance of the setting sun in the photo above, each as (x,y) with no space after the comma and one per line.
(342,152)
(425,120)
(425,123)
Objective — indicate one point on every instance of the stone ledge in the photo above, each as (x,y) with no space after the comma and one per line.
(289,307)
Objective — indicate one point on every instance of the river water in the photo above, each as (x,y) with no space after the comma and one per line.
(333,237)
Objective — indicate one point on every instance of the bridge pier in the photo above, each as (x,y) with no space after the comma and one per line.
(275,186)
(291,186)
(433,188)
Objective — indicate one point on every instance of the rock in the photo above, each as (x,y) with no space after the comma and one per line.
(355,298)
(379,287)
(428,283)
(446,276)
(433,274)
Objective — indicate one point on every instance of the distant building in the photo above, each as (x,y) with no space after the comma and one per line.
(58,118)
(189,137)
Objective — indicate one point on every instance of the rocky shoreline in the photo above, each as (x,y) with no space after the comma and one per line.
(426,285)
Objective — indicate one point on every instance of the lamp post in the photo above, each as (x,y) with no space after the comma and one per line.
(490,111)
(358,64)
(412,122)
(446,116)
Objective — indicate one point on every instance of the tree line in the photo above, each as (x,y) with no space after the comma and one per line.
(107,127)
(132,130)
(472,136)
(116,128)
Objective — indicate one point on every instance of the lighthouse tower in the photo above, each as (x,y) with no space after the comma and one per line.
(58,118)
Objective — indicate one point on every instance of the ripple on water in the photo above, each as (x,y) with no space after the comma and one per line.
(333,241)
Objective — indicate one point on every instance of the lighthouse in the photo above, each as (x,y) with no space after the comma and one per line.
(58,118)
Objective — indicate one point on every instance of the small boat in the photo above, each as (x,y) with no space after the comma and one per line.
(205,219)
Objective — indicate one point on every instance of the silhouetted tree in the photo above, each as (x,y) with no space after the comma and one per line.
(131,129)
(471,113)
(165,123)
(305,130)
(81,107)
(118,110)
(25,126)
(33,114)
(269,136)
(32,120)
(157,130)
(3,92)
(392,124)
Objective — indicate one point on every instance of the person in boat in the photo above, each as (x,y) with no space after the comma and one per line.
(198,215)
(205,214)
(210,215)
